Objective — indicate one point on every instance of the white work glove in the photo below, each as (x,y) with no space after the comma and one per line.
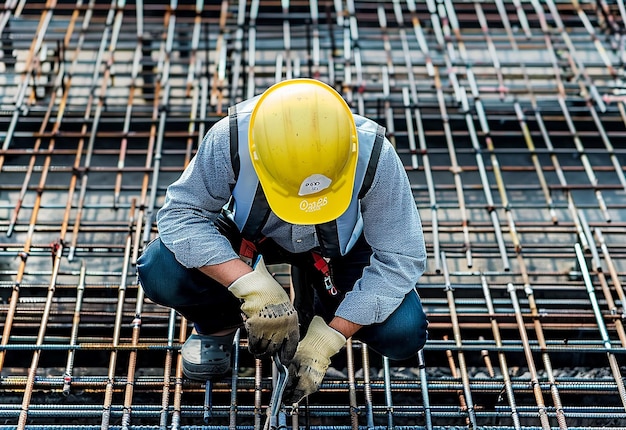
(309,365)
(270,318)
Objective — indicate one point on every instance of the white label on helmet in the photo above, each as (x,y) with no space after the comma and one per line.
(314,184)
(315,205)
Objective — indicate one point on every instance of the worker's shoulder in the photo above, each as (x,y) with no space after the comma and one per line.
(366,125)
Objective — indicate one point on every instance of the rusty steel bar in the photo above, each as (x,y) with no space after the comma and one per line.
(543,416)
(390,130)
(24,253)
(232,424)
(468,406)
(428,172)
(143,227)
(193,82)
(442,31)
(132,359)
(251,59)
(482,118)
(491,208)
(353,55)
(424,389)
(237,50)
(219,71)
(80,292)
(164,86)
(258,390)
(137,57)
(497,336)
(354,420)
(117,327)
(456,170)
(113,25)
(51,144)
(57,253)
(561,99)
(537,164)
(167,370)
(367,387)
(601,325)
(178,388)
(617,285)
(313,41)
(491,48)
(388,396)
(539,332)
(21,107)
(409,126)
(287,50)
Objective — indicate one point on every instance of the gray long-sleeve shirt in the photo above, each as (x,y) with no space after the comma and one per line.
(391,225)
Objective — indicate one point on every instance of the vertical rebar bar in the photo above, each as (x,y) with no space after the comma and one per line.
(21,107)
(178,388)
(234,382)
(534,379)
(354,408)
(456,330)
(136,329)
(388,394)
(145,218)
(112,25)
(137,56)
(217,95)
(424,387)
(69,367)
(57,253)
(367,386)
(167,371)
(455,170)
(117,327)
(504,368)
(604,334)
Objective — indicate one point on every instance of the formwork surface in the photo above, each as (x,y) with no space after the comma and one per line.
(508,115)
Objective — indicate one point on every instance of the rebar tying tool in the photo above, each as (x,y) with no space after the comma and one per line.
(272,422)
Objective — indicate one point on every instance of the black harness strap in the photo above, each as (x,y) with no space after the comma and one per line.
(327,233)
(373,163)
(234,139)
(259,213)
(328,237)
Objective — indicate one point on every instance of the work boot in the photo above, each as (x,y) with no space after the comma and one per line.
(207,357)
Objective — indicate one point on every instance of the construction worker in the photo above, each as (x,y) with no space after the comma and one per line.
(290,176)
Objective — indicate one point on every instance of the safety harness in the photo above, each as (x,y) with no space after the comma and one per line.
(259,210)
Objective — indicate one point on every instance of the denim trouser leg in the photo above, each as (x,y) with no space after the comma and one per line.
(193,294)
(401,335)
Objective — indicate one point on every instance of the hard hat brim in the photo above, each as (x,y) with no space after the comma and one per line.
(318,208)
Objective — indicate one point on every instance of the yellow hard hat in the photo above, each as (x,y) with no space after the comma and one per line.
(304,149)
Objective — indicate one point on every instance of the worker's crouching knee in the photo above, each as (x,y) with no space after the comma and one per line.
(165,281)
(403,334)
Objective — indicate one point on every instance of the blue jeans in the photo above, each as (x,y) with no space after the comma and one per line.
(213,308)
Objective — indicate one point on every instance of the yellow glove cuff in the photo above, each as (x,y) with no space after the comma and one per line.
(322,339)
(259,287)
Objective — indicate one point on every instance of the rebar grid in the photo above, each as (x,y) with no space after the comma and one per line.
(508,115)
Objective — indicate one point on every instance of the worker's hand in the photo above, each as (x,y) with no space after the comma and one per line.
(309,365)
(270,318)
